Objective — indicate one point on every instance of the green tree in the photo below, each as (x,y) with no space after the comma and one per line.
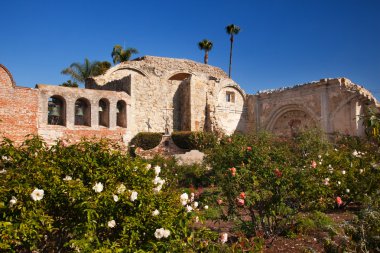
(121,55)
(231,30)
(69,83)
(205,45)
(80,72)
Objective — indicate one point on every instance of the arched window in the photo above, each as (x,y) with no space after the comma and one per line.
(56,111)
(104,112)
(121,114)
(82,112)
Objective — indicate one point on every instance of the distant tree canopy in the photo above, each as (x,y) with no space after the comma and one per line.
(205,45)
(121,55)
(81,71)
(69,83)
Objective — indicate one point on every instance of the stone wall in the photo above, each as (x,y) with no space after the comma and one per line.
(73,131)
(18,109)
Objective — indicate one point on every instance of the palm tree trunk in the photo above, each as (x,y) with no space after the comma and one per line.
(206,57)
(229,69)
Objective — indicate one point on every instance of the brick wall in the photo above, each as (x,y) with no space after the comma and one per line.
(18,112)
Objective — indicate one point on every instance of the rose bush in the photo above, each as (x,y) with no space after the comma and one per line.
(88,197)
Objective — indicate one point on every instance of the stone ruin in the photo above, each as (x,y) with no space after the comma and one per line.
(156,94)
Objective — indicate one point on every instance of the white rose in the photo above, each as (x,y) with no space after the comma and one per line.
(159,233)
(98,187)
(67,178)
(112,223)
(37,194)
(166,233)
(184,198)
(148,166)
(133,196)
(157,170)
(206,207)
(13,201)
(115,198)
(189,208)
(155,212)
(223,237)
(195,204)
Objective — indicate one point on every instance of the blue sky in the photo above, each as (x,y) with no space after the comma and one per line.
(281,43)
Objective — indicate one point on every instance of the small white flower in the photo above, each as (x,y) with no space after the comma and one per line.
(3,171)
(13,201)
(157,189)
(133,196)
(115,198)
(335,149)
(361,171)
(206,207)
(189,208)
(37,194)
(319,156)
(121,188)
(196,219)
(157,170)
(6,158)
(148,166)
(320,163)
(98,187)
(67,178)
(155,212)
(166,233)
(195,204)
(347,190)
(159,233)
(184,198)
(343,172)
(223,237)
(326,181)
(112,223)
(339,182)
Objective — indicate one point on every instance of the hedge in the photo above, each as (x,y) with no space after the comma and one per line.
(146,140)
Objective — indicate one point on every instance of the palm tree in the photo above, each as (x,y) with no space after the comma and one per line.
(231,30)
(80,72)
(120,55)
(207,46)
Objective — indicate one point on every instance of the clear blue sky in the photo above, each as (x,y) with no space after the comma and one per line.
(281,43)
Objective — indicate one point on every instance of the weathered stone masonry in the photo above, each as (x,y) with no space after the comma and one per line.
(163,95)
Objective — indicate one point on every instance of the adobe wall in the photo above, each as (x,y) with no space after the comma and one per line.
(18,109)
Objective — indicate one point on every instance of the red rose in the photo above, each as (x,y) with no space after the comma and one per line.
(242,195)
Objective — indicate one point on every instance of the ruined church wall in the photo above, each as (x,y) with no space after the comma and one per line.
(71,133)
(18,109)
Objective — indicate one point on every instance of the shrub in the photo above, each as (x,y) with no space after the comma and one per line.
(182,139)
(82,198)
(146,140)
(195,140)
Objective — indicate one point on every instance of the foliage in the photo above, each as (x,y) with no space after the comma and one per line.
(182,139)
(205,45)
(69,83)
(146,140)
(194,140)
(88,201)
(272,179)
(371,121)
(365,228)
(121,55)
(80,72)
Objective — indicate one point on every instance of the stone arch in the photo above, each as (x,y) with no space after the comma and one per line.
(121,113)
(104,112)
(6,78)
(139,71)
(56,110)
(341,104)
(82,113)
(178,75)
(289,119)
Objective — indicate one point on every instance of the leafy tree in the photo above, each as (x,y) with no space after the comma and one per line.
(231,30)
(80,72)
(205,45)
(121,55)
(69,83)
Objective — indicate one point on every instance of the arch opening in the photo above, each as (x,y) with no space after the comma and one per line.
(56,111)
(82,112)
(121,114)
(104,112)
